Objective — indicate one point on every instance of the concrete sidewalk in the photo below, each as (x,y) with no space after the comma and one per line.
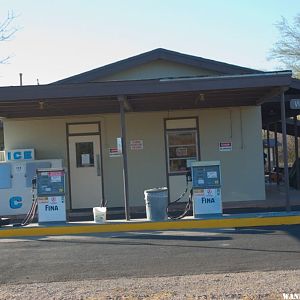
(224,221)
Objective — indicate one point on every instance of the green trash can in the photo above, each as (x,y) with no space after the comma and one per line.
(156,204)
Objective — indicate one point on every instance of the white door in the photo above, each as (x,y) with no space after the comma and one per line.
(85,171)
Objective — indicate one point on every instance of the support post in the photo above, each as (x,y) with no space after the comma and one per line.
(296,151)
(276,153)
(122,100)
(269,152)
(285,153)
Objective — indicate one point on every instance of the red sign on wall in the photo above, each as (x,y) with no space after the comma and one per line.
(225,146)
(114,152)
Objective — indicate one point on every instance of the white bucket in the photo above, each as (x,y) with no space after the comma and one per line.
(99,214)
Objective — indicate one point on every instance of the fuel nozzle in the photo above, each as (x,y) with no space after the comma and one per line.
(188,175)
(33,182)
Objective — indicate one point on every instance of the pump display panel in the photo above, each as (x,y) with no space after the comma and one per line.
(206,176)
(50,183)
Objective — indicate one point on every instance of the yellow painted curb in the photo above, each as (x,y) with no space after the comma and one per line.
(144,226)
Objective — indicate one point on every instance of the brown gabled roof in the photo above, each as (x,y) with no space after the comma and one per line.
(156,54)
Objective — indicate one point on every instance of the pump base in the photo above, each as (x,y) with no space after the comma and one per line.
(207,216)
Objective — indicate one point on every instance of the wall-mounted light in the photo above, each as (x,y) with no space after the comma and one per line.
(41,105)
(200,98)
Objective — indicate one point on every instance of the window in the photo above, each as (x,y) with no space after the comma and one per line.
(85,154)
(182,148)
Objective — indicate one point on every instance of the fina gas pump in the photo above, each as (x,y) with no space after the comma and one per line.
(206,186)
(50,194)
(205,193)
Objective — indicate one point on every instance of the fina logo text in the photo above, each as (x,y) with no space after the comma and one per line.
(208,200)
(51,207)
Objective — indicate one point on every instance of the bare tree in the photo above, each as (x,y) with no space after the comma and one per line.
(7,30)
(287,49)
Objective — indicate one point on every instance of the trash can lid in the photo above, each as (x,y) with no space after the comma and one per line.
(157,190)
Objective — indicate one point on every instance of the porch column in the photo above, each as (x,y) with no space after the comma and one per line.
(269,152)
(276,152)
(285,153)
(296,151)
(122,100)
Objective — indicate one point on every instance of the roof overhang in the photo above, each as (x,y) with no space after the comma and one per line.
(142,95)
(271,110)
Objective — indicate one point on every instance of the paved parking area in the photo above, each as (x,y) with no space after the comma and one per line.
(145,254)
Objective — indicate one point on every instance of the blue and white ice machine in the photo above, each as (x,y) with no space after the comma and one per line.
(16,184)
(206,184)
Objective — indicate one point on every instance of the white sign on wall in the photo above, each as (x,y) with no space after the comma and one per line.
(136,145)
(119,145)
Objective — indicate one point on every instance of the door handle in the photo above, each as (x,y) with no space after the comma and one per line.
(98,164)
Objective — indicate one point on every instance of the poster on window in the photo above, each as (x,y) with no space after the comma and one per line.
(85,159)
(181,152)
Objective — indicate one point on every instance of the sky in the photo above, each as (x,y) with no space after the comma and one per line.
(60,38)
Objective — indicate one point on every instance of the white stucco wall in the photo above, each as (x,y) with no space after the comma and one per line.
(242,168)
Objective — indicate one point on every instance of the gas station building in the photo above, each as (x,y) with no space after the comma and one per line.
(169,109)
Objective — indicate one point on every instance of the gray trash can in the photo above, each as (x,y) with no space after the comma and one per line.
(156,204)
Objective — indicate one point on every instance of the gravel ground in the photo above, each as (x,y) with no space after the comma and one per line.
(246,286)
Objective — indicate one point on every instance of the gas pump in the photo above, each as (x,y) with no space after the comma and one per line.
(206,186)
(50,193)
(205,193)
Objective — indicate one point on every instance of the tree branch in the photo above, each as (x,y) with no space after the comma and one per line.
(7,31)
(287,49)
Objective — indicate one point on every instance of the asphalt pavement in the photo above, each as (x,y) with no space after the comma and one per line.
(147,254)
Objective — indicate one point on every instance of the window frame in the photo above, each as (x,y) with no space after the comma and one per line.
(79,163)
(196,144)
